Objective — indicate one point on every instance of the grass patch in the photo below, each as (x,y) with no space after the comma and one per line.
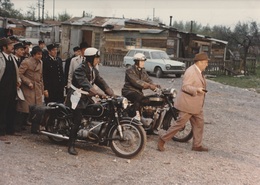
(252,81)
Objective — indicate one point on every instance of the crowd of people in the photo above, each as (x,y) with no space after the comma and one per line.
(36,76)
(28,76)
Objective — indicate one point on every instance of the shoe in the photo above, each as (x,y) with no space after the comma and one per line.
(200,149)
(160,145)
(16,134)
(72,150)
(3,138)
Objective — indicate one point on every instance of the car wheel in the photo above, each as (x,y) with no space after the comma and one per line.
(178,75)
(158,72)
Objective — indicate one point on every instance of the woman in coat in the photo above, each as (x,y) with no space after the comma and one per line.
(30,72)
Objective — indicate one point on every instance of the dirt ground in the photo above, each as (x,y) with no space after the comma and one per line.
(232,133)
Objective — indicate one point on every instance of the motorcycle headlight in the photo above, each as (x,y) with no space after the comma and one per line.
(173,92)
(124,103)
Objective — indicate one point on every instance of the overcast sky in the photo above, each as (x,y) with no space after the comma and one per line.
(212,12)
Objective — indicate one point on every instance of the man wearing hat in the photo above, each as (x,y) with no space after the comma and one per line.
(9,81)
(84,77)
(27,47)
(18,53)
(53,76)
(77,52)
(76,61)
(42,45)
(189,102)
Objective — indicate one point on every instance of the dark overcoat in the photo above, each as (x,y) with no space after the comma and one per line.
(53,79)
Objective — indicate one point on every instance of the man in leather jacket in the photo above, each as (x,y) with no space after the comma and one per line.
(137,79)
(84,77)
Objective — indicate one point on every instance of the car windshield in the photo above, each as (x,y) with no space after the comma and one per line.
(159,55)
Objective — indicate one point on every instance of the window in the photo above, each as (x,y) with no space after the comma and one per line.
(97,40)
(147,55)
(130,41)
(131,53)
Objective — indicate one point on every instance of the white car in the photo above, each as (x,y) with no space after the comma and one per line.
(158,62)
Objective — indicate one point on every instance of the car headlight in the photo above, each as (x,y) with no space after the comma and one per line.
(173,92)
(168,66)
(124,103)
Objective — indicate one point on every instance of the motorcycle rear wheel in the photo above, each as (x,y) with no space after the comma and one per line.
(133,142)
(184,135)
(50,128)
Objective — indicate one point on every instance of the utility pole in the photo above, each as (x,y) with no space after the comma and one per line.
(53,9)
(43,10)
(39,10)
(153,13)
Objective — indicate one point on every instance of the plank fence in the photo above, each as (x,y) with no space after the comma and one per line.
(215,67)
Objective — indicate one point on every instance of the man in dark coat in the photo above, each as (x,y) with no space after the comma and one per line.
(53,76)
(84,77)
(137,79)
(9,80)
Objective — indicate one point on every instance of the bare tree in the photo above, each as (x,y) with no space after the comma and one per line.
(245,36)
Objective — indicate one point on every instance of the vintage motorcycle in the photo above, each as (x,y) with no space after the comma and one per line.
(158,112)
(101,124)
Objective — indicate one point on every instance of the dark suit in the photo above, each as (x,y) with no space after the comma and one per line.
(8,90)
(53,79)
(190,105)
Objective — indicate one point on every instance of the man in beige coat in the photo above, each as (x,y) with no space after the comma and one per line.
(189,102)
(30,72)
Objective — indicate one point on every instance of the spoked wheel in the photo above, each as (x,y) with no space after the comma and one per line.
(132,143)
(184,135)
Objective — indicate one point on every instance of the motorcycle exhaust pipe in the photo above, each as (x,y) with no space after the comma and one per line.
(54,135)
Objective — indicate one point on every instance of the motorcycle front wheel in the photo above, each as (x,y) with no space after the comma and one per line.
(133,142)
(184,135)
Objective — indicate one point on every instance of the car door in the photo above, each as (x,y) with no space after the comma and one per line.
(148,64)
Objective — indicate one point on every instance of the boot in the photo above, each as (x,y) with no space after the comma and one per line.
(71,148)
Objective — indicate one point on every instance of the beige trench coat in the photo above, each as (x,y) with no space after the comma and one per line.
(30,71)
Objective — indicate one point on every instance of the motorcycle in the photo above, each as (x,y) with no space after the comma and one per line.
(101,124)
(158,112)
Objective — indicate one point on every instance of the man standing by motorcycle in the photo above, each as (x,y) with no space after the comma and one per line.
(81,91)
(137,79)
(190,103)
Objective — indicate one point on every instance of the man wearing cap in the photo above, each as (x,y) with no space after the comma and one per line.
(27,45)
(53,76)
(189,102)
(9,81)
(137,79)
(41,44)
(18,53)
(77,52)
(76,61)
(84,77)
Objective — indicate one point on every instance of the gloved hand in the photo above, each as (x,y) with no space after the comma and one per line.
(110,92)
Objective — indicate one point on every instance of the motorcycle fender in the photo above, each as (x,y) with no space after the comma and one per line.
(131,120)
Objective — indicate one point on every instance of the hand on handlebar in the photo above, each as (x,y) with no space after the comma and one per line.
(152,87)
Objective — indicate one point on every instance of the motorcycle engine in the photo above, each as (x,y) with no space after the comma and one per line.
(148,111)
(89,129)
